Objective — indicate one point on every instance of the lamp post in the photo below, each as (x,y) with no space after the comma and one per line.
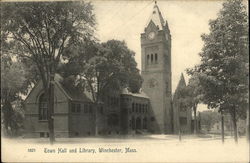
(179,123)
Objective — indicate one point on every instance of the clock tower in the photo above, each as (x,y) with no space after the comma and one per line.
(156,71)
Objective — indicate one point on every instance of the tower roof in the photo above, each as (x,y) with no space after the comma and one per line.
(156,17)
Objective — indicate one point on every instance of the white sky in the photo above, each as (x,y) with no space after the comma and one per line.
(126,20)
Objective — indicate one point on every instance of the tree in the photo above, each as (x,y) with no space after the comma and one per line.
(99,67)
(223,71)
(41,31)
(195,95)
(12,84)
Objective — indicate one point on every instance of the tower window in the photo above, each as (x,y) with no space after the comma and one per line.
(152,58)
(156,58)
(148,59)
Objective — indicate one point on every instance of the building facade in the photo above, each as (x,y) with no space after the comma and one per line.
(151,111)
(75,114)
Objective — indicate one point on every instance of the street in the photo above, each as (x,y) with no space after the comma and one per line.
(145,148)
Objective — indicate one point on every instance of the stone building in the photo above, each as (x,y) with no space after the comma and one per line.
(156,69)
(121,112)
(72,110)
(182,114)
(74,113)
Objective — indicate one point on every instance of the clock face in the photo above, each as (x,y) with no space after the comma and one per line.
(152,83)
(151,35)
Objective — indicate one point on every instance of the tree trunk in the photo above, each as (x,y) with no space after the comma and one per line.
(7,113)
(233,114)
(51,109)
(222,128)
(195,120)
(248,126)
(96,119)
(179,134)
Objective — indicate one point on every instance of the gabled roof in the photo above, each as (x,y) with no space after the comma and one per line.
(156,17)
(125,91)
(72,93)
(181,84)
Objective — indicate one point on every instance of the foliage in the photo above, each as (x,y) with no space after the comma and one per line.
(41,31)
(224,69)
(99,67)
(209,118)
(224,64)
(12,85)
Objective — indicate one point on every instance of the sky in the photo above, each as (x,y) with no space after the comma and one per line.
(187,20)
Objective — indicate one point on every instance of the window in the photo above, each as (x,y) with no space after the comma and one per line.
(152,118)
(148,59)
(101,109)
(183,120)
(86,107)
(75,108)
(76,133)
(133,107)
(152,58)
(136,108)
(144,123)
(78,108)
(90,108)
(42,135)
(133,123)
(43,107)
(156,58)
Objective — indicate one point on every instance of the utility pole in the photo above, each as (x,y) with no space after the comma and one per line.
(222,127)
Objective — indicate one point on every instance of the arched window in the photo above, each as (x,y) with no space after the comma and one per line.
(148,59)
(156,58)
(133,123)
(152,58)
(43,107)
(138,123)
